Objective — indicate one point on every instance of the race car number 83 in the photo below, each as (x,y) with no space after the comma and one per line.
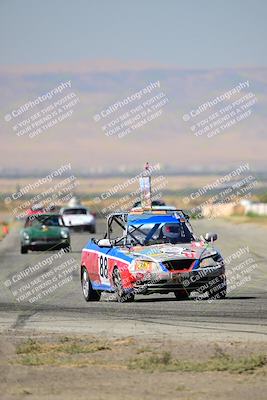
(103,267)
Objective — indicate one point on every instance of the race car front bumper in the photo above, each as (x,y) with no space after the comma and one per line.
(197,279)
(39,245)
(82,228)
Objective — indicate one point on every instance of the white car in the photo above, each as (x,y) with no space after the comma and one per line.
(79,218)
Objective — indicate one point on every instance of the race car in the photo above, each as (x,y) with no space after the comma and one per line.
(40,209)
(78,218)
(36,209)
(152,251)
(44,232)
(155,205)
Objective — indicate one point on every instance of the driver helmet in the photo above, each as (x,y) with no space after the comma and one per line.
(171,231)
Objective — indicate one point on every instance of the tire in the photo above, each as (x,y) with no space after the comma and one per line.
(88,292)
(24,249)
(122,296)
(218,290)
(67,249)
(92,229)
(181,294)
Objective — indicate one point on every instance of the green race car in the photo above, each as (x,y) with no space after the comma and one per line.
(44,232)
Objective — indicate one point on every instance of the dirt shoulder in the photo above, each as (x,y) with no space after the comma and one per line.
(53,366)
(247,219)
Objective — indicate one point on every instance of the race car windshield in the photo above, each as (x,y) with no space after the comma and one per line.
(76,211)
(159,233)
(51,220)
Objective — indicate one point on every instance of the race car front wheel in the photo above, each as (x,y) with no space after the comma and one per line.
(24,249)
(92,229)
(89,293)
(122,295)
(181,294)
(67,249)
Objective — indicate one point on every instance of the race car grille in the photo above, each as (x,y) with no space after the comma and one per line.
(176,265)
(47,240)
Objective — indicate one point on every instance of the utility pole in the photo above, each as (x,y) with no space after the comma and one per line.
(145,188)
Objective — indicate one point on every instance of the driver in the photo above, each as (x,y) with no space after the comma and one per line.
(171,232)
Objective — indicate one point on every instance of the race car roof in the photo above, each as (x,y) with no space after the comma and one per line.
(47,214)
(150,218)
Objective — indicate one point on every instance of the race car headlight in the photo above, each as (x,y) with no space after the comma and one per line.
(208,262)
(144,266)
(64,234)
(26,235)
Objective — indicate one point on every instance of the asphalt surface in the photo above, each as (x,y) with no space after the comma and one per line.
(48,296)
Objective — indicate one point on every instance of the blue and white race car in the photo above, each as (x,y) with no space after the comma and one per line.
(152,251)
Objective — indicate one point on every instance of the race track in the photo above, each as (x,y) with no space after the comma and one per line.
(243,314)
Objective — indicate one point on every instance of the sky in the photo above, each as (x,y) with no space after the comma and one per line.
(110,49)
(188,33)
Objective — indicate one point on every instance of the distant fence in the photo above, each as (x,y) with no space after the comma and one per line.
(217,210)
(256,208)
(227,209)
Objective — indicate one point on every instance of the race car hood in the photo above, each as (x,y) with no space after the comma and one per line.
(44,232)
(166,252)
(77,219)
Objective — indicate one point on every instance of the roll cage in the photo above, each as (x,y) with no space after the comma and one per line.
(121,219)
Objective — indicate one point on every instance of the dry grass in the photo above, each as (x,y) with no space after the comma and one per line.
(221,362)
(246,219)
(118,353)
(32,352)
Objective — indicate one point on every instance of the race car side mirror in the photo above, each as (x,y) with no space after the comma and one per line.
(211,237)
(104,243)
